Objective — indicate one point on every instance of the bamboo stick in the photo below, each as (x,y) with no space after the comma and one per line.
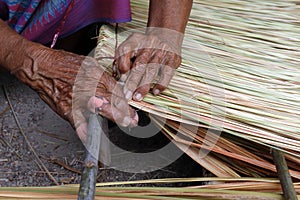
(284,175)
(89,174)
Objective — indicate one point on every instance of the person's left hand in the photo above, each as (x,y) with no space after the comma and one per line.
(142,58)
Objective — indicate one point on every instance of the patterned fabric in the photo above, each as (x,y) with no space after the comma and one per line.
(38,20)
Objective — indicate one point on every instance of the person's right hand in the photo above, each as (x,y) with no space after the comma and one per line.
(52,73)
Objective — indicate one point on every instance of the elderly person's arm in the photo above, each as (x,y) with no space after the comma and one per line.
(143,57)
(52,73)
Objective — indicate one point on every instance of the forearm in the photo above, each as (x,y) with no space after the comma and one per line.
(170,14)
(15,51)
(168,19)
(53,73)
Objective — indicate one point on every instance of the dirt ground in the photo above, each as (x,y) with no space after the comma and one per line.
(57,146)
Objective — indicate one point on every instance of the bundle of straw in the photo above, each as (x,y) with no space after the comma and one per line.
(240,75)
(246,188)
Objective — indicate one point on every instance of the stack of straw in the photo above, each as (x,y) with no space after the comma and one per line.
(234,189)
(240,75)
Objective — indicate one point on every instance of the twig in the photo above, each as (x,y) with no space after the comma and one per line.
(11,137)
(57,173)
(38,164)
(4,111)
(55,160)
(12,149)
(25,137)
(4,143)
(284,175)
(51,135)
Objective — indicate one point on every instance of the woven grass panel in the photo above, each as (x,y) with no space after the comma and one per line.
(239,75)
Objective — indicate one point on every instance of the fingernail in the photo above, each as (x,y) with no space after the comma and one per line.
(156,91)
(120,83)
(98,109)
(94,103)
(123,77)
(138,97)
(128,95)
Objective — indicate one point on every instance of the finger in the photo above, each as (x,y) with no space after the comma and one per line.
(124,62)
(147,80)
(111,103)
(95,103)
(172,59)
(111,93)
(134,79)
(136,73)
(117,112)
(121,117)
(126,51)
(124,77)
(121,104)
(113,97)
(166,76)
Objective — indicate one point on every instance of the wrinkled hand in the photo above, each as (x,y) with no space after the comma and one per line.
(53,74)
(142,58)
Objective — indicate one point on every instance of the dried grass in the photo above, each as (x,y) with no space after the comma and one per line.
(240,75)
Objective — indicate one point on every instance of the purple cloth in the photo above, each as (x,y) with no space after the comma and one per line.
(38,20)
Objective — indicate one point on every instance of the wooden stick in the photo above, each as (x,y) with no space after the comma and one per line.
(62,164)
(89,174)
(284,175)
